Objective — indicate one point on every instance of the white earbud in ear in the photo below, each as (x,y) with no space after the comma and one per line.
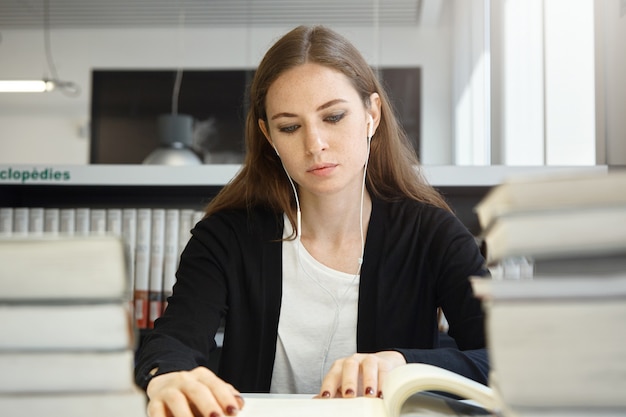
(370,131)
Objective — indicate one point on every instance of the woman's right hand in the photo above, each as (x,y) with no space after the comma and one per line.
(198,392)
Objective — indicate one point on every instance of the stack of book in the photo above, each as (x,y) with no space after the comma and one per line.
(561,218)
(68,340)
(557,339)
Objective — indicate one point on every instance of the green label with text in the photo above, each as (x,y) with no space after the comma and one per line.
(34,174)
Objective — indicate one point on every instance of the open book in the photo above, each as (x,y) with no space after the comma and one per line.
(400,386)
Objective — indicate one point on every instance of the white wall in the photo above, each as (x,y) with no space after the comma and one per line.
(570,82)
(53,129)
(521,61)
(544,82)
(471,82)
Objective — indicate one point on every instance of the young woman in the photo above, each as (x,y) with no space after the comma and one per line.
(327,256)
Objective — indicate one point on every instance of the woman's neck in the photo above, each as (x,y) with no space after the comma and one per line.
(332,230)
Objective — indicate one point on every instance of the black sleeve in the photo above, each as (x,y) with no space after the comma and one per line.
(473,364)
(456,257)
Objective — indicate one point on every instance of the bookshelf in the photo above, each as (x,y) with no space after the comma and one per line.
(111,185)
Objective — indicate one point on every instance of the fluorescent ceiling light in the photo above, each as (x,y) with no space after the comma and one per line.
(26,86)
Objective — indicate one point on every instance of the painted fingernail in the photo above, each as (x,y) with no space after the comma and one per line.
(240,401)
(380,394)
(369,391)
(349,392)
(325,394)
(231,410)
(214,414)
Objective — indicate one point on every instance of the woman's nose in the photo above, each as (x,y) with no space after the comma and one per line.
(314,141)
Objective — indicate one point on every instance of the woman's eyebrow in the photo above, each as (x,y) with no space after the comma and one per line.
(282,114)
(322,107)
(331,103)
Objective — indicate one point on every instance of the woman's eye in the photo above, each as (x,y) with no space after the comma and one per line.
(335,118)
(289,129)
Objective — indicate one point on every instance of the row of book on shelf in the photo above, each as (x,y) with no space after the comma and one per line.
(153,237)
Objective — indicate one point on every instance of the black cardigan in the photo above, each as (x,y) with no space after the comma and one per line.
(417,257)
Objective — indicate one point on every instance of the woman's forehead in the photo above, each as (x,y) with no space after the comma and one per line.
(310,84)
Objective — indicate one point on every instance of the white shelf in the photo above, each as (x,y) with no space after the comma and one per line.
(481,176)
(112,175)
(218,175)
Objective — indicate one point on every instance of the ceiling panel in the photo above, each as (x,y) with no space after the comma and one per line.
(165,13)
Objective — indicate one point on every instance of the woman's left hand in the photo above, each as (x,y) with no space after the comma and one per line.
(361,374)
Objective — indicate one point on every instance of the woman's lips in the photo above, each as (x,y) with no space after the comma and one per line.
(322,169)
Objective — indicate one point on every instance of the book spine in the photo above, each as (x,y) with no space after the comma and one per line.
(6,221)
(170,256)
(20,221)
(52,221)
(66,371)
(65,326)
(157,254)
(129,237)
(126,403)
(513,267)
(197,216)
(82,221)
(184,231)
(67,225)
(142,267)
(114,221)
(35,221)
(98,221)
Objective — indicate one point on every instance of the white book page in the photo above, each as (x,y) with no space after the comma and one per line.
(404,381)
(299,406)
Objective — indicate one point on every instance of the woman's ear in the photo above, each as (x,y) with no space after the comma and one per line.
(266,133)
(374,110)
(265,130)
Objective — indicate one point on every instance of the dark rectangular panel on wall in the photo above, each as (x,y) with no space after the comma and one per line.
(404,88)
(125,105)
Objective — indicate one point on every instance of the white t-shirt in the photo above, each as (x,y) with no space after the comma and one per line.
(317,323)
